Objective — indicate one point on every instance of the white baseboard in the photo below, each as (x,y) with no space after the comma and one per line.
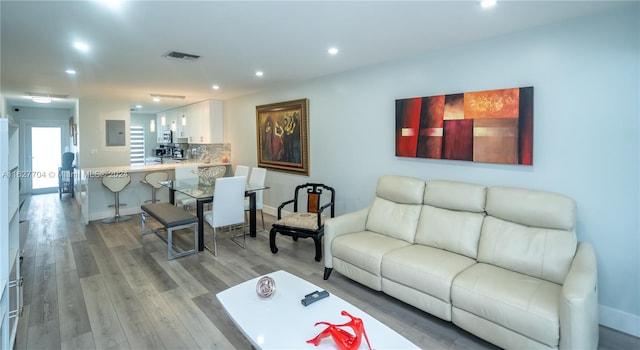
(273,211)
(609,317)
(619,320)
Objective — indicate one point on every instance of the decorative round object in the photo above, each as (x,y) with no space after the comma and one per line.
(224,159)
(266,287)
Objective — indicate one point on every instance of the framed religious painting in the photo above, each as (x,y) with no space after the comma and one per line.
(283,136)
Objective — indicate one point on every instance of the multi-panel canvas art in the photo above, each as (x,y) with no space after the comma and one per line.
(493,126)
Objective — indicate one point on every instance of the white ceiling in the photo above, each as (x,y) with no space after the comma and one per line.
(286,40)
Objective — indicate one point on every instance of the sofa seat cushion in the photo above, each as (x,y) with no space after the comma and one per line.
(427,269)
(365,249)
(524,304)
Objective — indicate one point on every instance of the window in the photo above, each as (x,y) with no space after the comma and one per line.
(137,144)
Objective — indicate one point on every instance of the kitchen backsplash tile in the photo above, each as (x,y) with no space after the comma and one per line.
(213,153)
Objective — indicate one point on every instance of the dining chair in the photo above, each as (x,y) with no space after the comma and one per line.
(257,178)
(241,170)
(228,208)
(185,173)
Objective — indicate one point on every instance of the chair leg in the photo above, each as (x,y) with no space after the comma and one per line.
(169,243)
(327,272)
(318,242)
(234,236)
(215,243)
(153,195)
(262,217)
(196,239)
(143,222)
(272,241)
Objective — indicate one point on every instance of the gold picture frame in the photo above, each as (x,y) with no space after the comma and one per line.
(283,136)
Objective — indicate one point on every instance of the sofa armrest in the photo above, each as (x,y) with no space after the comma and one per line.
(339,225)
(579,328)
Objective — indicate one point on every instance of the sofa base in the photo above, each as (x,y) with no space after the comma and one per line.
(357,274)
(415,298)
(492,332)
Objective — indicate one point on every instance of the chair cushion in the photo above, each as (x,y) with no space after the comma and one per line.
(308,221)
(521,303)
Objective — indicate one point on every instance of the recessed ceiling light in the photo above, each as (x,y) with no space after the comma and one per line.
(41,99)
(112,4)
(156,99)
(80,46)
(333,51)
(259,73)
(487,3)
(167,96)
(138,106)
(216,87)
(70,71)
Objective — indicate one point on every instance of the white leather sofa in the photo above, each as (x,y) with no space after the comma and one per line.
(502,263)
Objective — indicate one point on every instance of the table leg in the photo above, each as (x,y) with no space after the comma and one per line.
(252,214)
(200,214)
(172,196)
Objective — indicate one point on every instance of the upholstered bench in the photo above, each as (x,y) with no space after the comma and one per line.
(172,218)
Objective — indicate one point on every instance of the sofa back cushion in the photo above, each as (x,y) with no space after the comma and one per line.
(530,232)
(451,218)
(396,209)
(461,196)
(455,231)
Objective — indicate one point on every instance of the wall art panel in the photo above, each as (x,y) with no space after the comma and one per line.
(493,126)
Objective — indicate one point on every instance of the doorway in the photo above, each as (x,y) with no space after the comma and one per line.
(45,158)
(43,146)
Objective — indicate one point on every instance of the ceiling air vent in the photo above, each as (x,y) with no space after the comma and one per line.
(176,55)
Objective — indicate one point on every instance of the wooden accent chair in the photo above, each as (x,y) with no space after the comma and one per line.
(306,224)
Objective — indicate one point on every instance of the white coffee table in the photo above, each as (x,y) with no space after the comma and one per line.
(282,322)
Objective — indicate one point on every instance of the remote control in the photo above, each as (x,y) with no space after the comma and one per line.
(313,297)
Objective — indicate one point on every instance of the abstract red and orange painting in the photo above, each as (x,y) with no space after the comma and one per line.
(493,126)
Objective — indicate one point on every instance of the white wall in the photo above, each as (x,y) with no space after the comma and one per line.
(585,75)
(92,142)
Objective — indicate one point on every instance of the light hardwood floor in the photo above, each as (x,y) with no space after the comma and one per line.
(103,286)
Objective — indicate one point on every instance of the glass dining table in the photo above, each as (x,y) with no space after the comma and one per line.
(204,194)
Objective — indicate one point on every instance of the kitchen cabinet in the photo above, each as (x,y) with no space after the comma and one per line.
(199,122)
(165,121)
(10,279)
(161,122)
(205,122)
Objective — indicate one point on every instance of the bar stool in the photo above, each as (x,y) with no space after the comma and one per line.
(115,184)
(153,180)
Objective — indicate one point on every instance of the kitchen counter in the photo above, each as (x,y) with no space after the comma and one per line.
(101,171)
(95,198)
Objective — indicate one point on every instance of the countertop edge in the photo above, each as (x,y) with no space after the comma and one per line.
(150,167)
